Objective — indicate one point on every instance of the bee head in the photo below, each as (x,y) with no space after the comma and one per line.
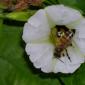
(64,31)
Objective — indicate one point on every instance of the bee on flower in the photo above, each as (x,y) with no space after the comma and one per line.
(54,39)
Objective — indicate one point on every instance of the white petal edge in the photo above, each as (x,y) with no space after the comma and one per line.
(59,67)
(41,55)
(64,65)
(75,55)
(37,28)
(79,26)
(62,15)
(80,43)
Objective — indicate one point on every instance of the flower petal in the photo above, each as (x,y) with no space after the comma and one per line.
(73,68)
(79,27)
(60,66)
(75,55)
(66,65)
(37,28)
(80,42)
(41,55)
(62,15)
(79,37)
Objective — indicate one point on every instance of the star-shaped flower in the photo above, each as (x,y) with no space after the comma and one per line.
(54,39)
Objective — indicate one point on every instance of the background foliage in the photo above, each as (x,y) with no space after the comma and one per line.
(15,67)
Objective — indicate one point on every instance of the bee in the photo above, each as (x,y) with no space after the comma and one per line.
(63,40)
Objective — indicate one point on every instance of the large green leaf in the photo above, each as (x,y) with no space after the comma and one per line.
(15,67)
(50,2)
(20,16)
(78,78)
(80,4)
(68,2)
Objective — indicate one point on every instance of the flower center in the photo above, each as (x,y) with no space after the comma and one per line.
(61,36)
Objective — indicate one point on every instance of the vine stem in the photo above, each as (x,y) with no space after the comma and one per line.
(61,81)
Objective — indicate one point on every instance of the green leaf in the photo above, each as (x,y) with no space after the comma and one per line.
(20,16)
(1,22)
(2,16)
(2,6)
(68,2)
(80,4)
(77,78)
(50,2)
(15,67)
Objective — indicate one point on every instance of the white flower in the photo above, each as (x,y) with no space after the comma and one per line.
(39,46)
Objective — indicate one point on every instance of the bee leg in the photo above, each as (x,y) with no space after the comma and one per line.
(71,44)
(58,56)
(68,55)
(59,59)
(63,54)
